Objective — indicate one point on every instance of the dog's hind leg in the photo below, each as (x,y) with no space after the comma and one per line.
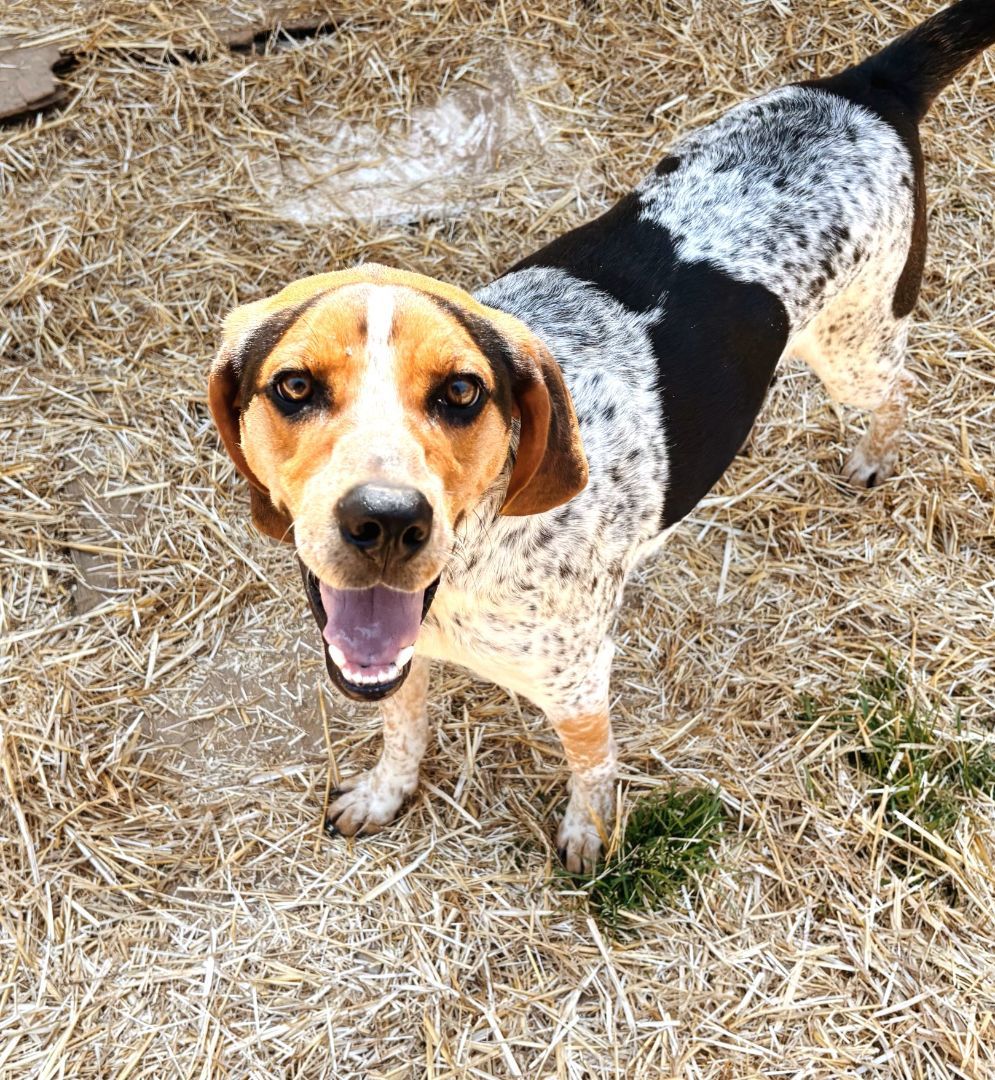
(874,458)
(859,354)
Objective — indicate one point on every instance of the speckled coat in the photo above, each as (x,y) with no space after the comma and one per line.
(795,224)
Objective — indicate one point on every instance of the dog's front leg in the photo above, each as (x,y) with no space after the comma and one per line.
(580,718)
(367,802)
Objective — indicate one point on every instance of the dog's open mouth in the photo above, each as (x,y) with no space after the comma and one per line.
(368,634)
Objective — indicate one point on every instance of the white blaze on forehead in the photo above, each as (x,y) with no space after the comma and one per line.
(378,391)
(379,410)
(379,320)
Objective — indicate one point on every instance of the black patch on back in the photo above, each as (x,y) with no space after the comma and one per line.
(629,259)
(263,340)
(717,347)
(671,163)
(717,343)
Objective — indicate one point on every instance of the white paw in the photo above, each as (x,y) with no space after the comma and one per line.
(865,468)
(579,838)
(366,803)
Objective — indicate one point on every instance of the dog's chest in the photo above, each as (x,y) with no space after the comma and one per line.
(527,601)
(492,639)
(512,614)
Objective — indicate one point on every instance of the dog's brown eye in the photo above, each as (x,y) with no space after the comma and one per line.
(295,386)
(462,393)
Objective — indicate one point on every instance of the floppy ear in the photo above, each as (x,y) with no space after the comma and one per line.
(550,466)
(223,396)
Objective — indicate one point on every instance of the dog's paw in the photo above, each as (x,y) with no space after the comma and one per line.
(579,839)
(366,803)
(865,468)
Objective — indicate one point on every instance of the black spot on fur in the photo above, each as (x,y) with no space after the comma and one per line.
(668,165)
(898,84)
(716,345)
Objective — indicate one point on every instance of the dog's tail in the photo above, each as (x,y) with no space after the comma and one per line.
(917,66)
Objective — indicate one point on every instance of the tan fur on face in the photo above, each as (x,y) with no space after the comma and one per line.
(380,351)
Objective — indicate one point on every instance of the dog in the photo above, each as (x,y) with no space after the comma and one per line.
(471,478)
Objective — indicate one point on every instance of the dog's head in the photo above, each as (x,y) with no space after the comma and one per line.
(370,411)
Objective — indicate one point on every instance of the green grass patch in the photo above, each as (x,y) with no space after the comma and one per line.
(917,755)
(667,843)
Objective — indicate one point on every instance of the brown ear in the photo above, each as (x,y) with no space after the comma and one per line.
(550,466)
(223,397)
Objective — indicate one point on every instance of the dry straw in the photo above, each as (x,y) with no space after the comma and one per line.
(168,905)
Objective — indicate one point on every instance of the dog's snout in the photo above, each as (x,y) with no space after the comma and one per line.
(383,520)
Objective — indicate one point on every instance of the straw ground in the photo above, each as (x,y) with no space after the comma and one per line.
(168,903)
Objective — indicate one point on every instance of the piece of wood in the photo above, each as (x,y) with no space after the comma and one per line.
(27,82)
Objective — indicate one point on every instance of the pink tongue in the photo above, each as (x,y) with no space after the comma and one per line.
(371,626)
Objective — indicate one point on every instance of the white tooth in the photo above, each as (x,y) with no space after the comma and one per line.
(338,656)
(405,655)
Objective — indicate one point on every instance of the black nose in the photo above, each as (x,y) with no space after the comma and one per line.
(384,520)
